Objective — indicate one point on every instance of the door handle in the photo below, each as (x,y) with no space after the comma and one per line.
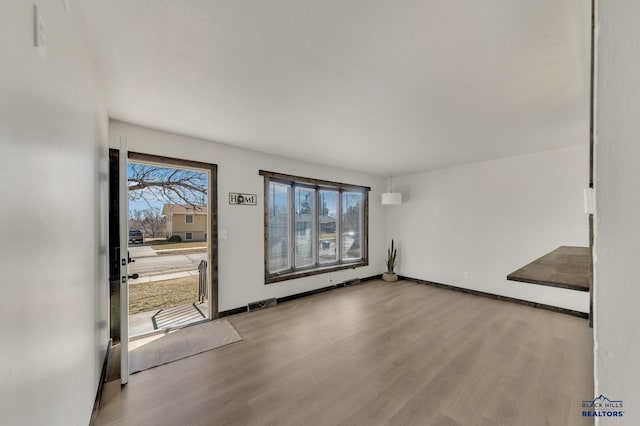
(134,276)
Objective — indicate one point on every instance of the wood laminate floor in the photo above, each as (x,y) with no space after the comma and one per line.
(376,353)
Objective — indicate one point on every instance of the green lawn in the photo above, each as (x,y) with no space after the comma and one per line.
(151,296)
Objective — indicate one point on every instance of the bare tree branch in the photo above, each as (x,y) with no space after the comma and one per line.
(173,186)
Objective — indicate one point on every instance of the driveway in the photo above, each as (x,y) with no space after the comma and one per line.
(142,250)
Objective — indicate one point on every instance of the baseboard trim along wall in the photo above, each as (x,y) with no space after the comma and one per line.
(283,299)
(566,311)
(103,376)
(230,312)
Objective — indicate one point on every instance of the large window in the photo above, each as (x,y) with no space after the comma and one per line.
(312,226)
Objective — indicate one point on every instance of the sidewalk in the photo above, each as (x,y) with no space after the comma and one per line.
(148,251)
(196,249)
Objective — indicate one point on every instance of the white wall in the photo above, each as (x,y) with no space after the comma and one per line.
(241,255)
(53,146)
(490,218)
(617,221)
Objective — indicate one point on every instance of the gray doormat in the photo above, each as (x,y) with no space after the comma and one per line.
(167,347)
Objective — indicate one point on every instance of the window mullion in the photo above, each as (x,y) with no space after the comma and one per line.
(339,226)
(292,226)
(315,236)
(316,243)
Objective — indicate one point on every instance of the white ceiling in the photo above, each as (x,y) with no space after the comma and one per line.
(371,85)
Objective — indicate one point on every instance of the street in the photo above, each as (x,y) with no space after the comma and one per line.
(165,263)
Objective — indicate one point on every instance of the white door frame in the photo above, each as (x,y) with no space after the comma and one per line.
(124,262)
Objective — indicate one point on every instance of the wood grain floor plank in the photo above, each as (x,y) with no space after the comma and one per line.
(373,354)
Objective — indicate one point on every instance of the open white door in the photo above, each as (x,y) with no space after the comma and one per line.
(124,261)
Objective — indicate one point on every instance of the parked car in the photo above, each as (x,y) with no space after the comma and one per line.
(135,236)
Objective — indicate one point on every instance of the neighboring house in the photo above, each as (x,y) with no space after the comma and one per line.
(189,222)
(327,225)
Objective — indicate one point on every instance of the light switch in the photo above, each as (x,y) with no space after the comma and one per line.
(40,39)
(589,201)
(222,235)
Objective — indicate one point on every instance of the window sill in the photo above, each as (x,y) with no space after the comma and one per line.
(271,279)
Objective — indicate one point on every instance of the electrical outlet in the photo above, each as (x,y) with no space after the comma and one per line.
(329,281)
(39,34)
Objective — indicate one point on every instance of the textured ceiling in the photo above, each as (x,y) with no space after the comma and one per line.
(376,86)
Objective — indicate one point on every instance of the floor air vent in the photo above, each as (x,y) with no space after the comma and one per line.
(261,304)
(352,282)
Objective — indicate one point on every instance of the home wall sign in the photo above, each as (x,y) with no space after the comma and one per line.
(245,199)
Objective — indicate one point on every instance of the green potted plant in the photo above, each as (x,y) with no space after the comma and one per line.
(392,261)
